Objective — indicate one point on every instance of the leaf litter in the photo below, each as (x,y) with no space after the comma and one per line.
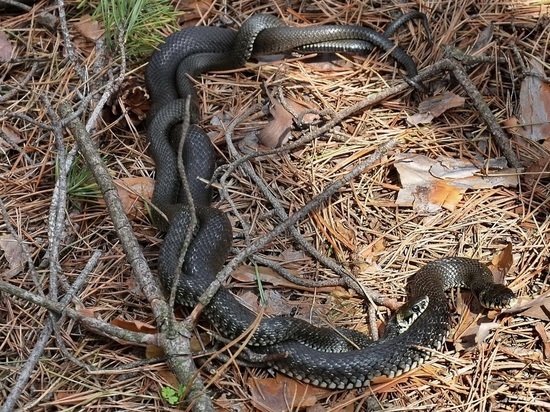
(380,240)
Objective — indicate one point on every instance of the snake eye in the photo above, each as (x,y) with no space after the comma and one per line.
(421,305)
(410,311)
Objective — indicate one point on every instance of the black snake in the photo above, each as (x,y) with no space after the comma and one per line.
(317,355)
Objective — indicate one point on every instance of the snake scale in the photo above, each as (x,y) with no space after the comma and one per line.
(320,356)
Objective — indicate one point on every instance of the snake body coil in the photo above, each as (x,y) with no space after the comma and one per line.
(311,352)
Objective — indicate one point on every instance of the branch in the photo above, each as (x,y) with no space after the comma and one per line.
(175,343)
(292,220)
(446,64)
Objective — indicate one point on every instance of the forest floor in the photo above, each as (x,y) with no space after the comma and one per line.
(442,187)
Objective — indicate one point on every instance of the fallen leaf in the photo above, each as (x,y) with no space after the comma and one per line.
(539,327)
(249,143)
(134,325)
(132,102)
(6,49)
(12,134)
(134,288)
(87,312)
(249,273)
(89,28)
(525,354)
(277,131)
(473,328)
(153,351)
(71,398)
(250,300)
(419,118)
(502,263)
(435,106)
(484,330)
(539,169)
(429,185)
(292,255)
(276,303)
(538,308)
(169,378)
(283,393)
(13,253)
(534,105)
(132,191)
(483,39)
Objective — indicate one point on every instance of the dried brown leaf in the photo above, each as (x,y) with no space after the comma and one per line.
(429,185)
(276,303)
(169,378)
(435,106)
(540,169)
(13,253)
(133,287)
(89,28)
(277,131)
(484,330)
(132,191)
(501,263)
(292,255)
(539,327)
(526,354)
(534,105)
(87,312)
(538,308)
(69,398)
(483,39)
(134,325)
(12,134)
(6,49)
(283,393)
(247,274)
(504,260)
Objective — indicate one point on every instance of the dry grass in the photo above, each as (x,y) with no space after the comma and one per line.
(362,226)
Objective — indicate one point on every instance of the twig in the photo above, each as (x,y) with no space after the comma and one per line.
(190,204)
(56,215)
(297,280)
(20,84)
(30,364)
(96,325)
(71,293)
(292,220)
(501,139)
(28,257)
(45,334)
(112,85)
(176,346)
(450,64)
(67,41)
(349,279)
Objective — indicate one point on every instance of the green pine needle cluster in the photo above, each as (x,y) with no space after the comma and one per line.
(81,185)
(142,22)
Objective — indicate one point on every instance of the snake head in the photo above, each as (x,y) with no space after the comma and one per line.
(497,296)
(406,315)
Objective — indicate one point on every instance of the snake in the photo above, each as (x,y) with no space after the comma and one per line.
(326,357)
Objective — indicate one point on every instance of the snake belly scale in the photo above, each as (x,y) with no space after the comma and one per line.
(320,356)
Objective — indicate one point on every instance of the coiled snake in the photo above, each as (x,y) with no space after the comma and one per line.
(317,355)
